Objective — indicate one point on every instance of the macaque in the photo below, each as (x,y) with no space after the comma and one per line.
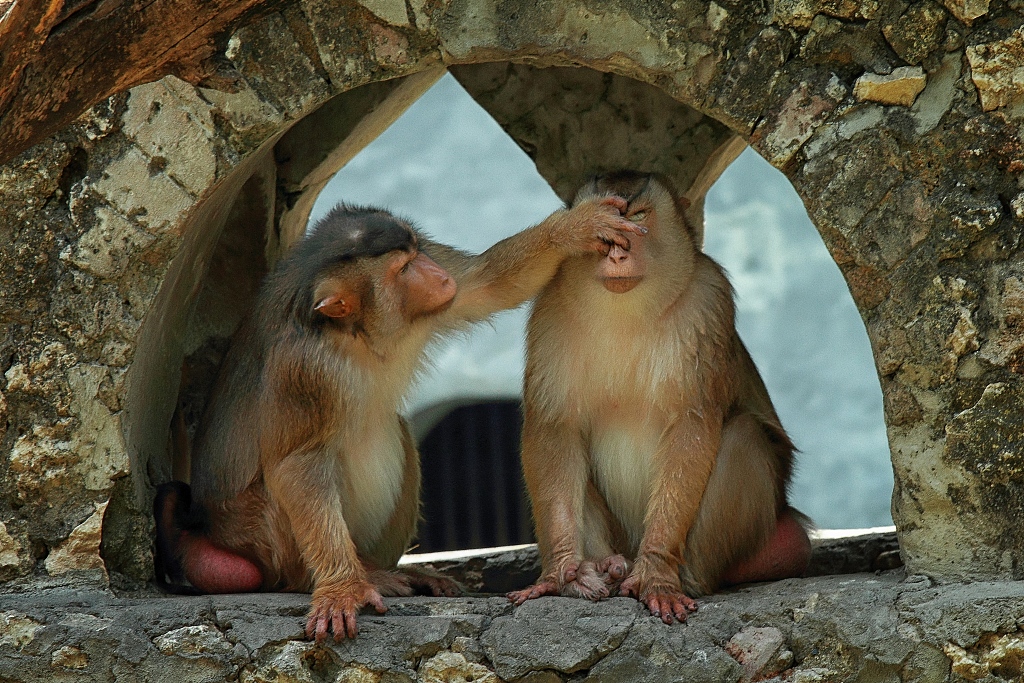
(655,462)
(304,477)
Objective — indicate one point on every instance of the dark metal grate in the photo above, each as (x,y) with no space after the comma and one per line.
(473,492)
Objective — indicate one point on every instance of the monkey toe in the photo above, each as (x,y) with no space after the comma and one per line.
(615,566)
(532,592)
(569,572)
(444,588)
(670,606)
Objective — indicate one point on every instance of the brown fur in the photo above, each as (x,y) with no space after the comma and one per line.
(649,437)
(302,464)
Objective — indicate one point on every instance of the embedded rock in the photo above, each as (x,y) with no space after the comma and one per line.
(901,87)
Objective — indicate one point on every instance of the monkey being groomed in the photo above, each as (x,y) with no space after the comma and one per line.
(656,465)
(304,476)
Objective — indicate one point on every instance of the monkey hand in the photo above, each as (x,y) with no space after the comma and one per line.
(336,607)
(597,223)
(660,591)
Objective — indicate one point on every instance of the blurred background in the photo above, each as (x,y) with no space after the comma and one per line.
(448,167)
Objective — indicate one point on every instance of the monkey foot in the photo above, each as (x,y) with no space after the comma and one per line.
(615,566)
(337,610)
(667,603)
(391,584)
(428,582)
(590,582)
(537,590)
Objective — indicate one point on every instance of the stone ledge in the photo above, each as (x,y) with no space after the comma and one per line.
(499,570)
(850,627)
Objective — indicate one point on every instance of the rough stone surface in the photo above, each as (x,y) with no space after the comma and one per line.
(760,651)
(882,627)
(968,10)
(115,228)
(918,32)
(997,69)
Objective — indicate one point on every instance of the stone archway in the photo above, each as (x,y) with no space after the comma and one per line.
(114,223)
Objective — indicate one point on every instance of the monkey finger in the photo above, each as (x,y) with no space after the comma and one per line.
(616,202)
(320,630)
(377,601)
(660,607)
(632,227)
(338,625)
(682,607)
(312,620)
(606,238)
(348,618)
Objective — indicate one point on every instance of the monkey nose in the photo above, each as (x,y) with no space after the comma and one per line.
(618,256)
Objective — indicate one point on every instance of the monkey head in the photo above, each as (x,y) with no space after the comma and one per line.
(361,271)
(651,203)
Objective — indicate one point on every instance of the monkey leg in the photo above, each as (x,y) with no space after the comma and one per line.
(785,555)
(737,515)
(184,551)
(603,540)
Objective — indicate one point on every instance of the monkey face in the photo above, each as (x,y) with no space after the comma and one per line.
(424,287)
(620,270)
(652,203)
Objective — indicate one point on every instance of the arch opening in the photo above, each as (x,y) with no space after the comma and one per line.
(271,207)
(794,309)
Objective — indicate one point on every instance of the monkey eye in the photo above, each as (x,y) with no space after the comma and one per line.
(638,216)
(407,259)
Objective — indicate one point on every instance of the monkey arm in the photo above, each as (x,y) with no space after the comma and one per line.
(684,462)
(306,486)
(518,267)
(556,471)
(507,274)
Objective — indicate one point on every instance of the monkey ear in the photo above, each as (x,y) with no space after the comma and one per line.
(334,306)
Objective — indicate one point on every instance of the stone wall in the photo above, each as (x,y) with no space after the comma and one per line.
(131,241)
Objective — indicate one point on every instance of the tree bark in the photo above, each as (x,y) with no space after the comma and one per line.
(59,57)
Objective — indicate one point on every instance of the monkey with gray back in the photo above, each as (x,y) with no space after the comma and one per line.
(304,476)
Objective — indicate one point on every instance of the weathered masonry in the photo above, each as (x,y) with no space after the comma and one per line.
(134,230)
